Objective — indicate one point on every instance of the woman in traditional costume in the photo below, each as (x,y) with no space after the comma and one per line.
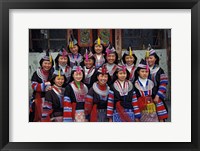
(89,69)
(98,51)
(55,109)
(75,93)
(75,55)
(40,83)
(111,61)
(160,80)
(122,101)
(96,101)
(146,92)
(62,61)
(129,60)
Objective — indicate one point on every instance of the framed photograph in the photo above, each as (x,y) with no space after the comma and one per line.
(19,16)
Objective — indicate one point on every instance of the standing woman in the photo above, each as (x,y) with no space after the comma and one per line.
(40,83)
(111,61)
(75,93)
(130,59)
(89,69)
(75,55)
(96,101)
(53,109)
(62,61)
(99,53)
(160,81)
(122,100)
(144,89)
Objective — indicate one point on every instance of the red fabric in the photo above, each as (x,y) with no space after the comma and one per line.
(102,87)
(123,115)
(73,110)
(88,105)
(46,73)
(38,108)
(142,103)
(93,115)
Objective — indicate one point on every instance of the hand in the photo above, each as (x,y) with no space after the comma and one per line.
(137,120)
(156,99)
(48,88)
(47,83)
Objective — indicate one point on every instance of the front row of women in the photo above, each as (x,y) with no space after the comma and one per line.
(107,98)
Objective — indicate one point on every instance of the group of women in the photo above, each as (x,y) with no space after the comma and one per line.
(94,87)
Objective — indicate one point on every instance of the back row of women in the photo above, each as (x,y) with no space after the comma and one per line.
(93,87)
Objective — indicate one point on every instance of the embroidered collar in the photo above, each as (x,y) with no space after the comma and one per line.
(123,90)
(100,92)
(73,59)
(130,68)
(88,72)
(154,69)
(58,90)
(41,75)
(149,85)
(111,68)
(83,88)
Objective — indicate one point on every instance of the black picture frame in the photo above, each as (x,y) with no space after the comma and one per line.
(5,5)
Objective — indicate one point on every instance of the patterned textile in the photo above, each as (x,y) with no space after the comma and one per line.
(80,116)
(99,62)
(129,112)
(149,117)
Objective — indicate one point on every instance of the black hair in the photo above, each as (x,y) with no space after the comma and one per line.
(116,60)
(103,51)
(157,58)
(136,73)
(124,56)
(57,57)
(53,78)
(79,48)
(82,63)
(98,73)
(72,79)
(115,75)
(42,60)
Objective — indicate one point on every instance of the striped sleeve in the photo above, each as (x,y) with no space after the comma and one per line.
(110,104)
(88,104)
(163,86)
(39,87)
(67,110)
(46,112)
(136,109)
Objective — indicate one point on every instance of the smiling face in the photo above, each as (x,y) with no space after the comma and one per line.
(143,73)
(129,60)
(111,58)
(78,76)
(46,65)
(59,81)
(151,61)
(74,49)
(122,75)
(98,48)
(62,60)
(89,64)
(102,79)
